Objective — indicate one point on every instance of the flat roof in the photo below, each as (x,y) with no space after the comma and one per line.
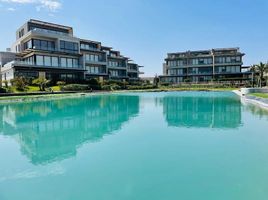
(90,41)
(207,50)
(50,24)
(106,47)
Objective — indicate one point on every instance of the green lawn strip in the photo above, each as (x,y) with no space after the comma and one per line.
(167,89)
(262,95)
(29,97)
(56,88)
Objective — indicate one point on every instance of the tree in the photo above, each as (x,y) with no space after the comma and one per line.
(6,83)
(259,70)
(253,70)
(156,81)
(19,82)
(41,82)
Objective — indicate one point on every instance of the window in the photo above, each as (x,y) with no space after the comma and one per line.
(36,44)
(63,62)
(47,60)
(69,62)
(44,44)
(51,46)
(228,59)
(71,47)
(55,61)
(28,45)
(39,60)
(75,63)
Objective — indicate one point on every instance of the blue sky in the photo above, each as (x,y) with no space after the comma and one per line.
(146,30)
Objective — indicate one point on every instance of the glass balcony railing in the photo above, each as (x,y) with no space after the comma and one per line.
(32,64)
(40,30)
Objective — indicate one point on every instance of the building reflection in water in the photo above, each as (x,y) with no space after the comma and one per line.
(208,110)
(53,130)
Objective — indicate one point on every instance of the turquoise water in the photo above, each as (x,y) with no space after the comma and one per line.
(179,145)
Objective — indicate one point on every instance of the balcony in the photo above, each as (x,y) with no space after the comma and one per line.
(28,64)
(89,49)
(99,62)
(117,67)
(133,70)
(200,73)
(45,31)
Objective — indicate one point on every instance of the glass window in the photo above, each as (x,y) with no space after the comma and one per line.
(63,62)
(55,61)
(75,63)
(47,60)
(43,45)
(39,60)
(36,44)
(69,62)
(51,46)
(96,58)
(68,46)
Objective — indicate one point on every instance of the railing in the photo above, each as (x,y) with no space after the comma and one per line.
(50,66)
(111,66)
(90,48)
(50,31)
(200,73)
(133,70)
(96,62)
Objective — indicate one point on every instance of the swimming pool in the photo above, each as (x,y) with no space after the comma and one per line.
(172,145)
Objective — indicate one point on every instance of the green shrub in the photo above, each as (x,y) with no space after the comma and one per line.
(94,84)
(145,87)
(165,84)
(41,82)
(20,83)
(60,83)
(116,87)
(107,87)
(93,81)
(75,87)
(3,90)
(5,82)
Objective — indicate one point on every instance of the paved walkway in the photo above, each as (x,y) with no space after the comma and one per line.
(262,102)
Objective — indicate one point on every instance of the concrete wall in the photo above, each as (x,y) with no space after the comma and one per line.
(6,57)
(253,90)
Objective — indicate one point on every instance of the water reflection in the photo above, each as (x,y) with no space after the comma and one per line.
(256,110)
(208,110)
(52,130)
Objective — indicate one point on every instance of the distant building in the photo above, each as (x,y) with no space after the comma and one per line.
(44,49)
(203,66)
(148,79)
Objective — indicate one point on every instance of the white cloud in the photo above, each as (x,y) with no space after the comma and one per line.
(50,5)
(11,9)
(19,1)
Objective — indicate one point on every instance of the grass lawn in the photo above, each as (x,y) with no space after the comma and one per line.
(33,89)
(262,95)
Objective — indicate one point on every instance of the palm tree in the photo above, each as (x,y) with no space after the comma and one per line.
(259,70)
(253,70)
(41,82)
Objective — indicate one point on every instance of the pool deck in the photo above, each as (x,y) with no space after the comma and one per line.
(262,102)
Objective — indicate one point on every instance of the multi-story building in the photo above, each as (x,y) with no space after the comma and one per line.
(50,50)
(201,66)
